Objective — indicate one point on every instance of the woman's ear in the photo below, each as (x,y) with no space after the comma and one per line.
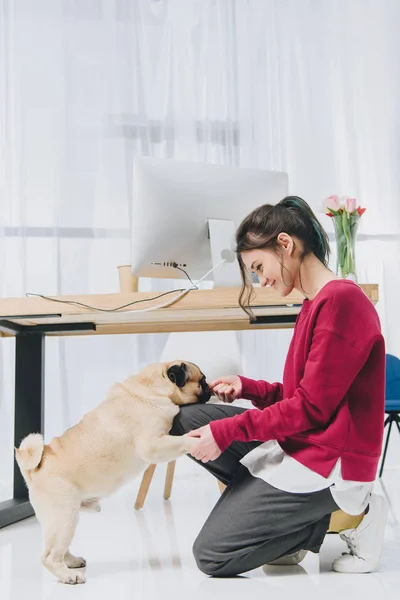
(286,243)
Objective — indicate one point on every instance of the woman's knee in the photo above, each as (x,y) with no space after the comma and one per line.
(210,561)
(184,420)
(193,416)
(203,556)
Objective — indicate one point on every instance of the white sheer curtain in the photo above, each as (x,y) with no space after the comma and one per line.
(309,87)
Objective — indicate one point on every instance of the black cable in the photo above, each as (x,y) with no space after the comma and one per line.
(187,275)
(75,303)
(108,310)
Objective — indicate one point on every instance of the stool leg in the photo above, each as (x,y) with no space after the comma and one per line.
(221,486)
(169,479)
(144,486)
(386,447)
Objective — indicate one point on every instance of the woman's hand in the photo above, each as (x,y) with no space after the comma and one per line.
(207,448)
(227,388)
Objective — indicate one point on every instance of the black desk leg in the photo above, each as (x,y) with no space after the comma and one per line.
(28,416)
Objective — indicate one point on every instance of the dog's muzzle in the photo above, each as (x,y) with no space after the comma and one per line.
(205,393)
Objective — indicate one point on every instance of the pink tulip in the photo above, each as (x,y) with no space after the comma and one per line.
(332,203)
(350,205)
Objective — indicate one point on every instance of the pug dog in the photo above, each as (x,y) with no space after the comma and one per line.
(112,444)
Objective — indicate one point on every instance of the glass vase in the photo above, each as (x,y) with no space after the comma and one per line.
(346,227)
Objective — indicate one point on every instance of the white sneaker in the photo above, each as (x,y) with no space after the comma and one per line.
(365,542)
(290,559)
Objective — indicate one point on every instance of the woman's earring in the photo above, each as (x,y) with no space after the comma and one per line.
(283,279)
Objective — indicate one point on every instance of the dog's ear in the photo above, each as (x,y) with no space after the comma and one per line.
(178,374)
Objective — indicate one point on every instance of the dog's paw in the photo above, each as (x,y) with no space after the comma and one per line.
(73,578)
(74,562)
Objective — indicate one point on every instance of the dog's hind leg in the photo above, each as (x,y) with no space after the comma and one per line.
(91,505)
(59,528)
(59,518)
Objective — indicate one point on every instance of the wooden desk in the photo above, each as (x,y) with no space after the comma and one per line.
(200,310)
(31,319)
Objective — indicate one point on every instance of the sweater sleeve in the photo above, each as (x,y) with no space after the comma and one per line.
(261,393)
(332,364)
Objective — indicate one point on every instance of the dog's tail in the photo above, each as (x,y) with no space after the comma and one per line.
(30,452)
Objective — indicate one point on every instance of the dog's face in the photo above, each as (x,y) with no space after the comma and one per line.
(190,383)
(183,382)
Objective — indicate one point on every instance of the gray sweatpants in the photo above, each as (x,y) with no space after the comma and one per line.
(252,523)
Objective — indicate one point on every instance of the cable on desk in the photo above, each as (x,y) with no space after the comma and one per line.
(181,292)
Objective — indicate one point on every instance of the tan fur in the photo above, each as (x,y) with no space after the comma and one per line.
(30,452)
(111,444)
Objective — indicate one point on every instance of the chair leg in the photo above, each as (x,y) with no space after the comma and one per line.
(386,445)
(169,479)
(397,419)
(144,486)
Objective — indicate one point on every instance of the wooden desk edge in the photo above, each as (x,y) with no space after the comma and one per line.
(180,318)
(203,299)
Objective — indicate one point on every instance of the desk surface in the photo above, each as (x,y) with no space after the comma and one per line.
(199,310)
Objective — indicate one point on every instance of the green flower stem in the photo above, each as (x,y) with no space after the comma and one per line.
(346,231)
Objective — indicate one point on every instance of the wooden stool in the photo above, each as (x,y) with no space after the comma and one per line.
(148,476)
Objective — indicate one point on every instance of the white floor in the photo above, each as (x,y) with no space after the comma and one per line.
(147,554)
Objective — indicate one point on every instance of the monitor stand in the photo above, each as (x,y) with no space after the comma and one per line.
(222,239)
(217,353)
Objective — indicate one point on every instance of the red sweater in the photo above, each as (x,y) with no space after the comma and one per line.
(331,403)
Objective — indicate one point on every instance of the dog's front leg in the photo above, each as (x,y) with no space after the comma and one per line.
(164,448)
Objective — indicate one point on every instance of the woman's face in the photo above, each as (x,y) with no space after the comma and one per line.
(267,264)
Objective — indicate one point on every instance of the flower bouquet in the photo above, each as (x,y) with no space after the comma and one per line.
(345,214)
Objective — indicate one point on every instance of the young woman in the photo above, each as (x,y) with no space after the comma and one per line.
(305,461)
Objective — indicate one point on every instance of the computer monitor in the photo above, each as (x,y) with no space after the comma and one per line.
(187,213)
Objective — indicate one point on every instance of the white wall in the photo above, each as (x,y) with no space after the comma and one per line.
(309,87)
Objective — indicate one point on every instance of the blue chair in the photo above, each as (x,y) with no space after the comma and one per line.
(392,400)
